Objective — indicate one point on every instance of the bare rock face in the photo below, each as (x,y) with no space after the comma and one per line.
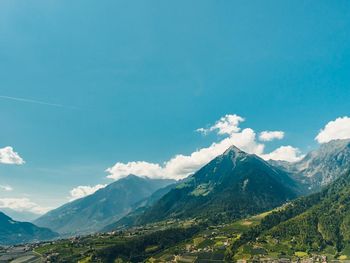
(322,166)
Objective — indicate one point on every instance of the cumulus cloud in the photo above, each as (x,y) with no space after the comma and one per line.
(6,188)
(23,204)
(140,168)
(337,129)
(267,136)
(9,156)
(180,166)
(284,153)
(226,125)
(84,190)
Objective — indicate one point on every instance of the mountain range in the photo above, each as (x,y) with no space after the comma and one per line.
(231,186)
(236,184)
(321,166)
(105,206)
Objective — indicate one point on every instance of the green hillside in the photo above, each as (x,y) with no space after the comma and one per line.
(318,224)
(14,232)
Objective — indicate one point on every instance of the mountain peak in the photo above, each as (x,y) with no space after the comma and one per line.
(335,144)
(132,176)
(233,184)
(234,150)
(323,165)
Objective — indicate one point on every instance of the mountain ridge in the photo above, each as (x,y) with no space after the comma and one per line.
(15,232)
(91,213)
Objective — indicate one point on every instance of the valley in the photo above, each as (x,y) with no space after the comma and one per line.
(237,208)
(174,131)
(194,241)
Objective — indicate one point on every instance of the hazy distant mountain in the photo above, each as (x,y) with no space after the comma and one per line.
(139,208)
(233,185)
(14,232)
(107,205)
(322,166)
(23,216)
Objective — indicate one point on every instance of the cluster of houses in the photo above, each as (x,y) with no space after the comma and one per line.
(312,259)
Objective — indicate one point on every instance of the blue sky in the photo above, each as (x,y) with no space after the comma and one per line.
(94,83)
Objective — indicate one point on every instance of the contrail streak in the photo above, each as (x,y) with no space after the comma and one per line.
(37,102)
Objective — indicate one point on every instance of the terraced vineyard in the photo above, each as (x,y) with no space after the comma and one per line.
(134,245)
(213,244)
(181,241)
(190,241)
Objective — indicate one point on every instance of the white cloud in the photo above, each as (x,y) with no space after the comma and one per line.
(226,125)
(22,204)
(140,168)
(181,165)
(267,136)
(9,156)
(337,129)
(84,190)
(6,188)
(284,153)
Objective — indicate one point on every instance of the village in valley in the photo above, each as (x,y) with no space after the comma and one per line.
(212,244)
